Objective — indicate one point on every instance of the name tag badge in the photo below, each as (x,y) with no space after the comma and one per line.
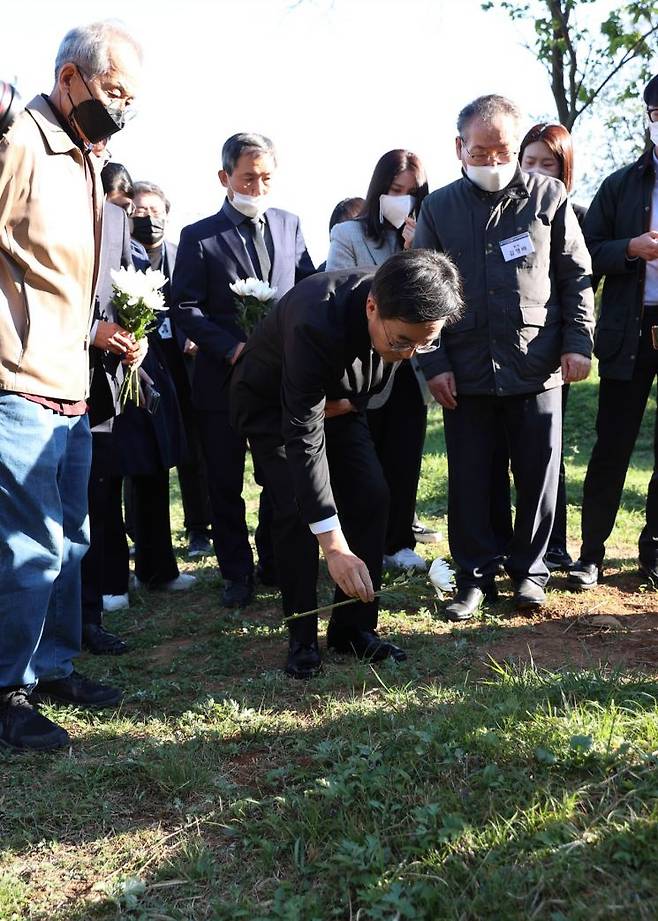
(164,330)
(515,247)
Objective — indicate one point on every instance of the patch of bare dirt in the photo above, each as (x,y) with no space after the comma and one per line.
(604,628)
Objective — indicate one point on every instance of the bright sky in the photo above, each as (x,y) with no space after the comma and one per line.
(335,84)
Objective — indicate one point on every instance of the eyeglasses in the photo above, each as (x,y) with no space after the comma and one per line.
(504,155)
(652,113)
(410,346)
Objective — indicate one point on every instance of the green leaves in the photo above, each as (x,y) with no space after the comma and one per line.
(588,60)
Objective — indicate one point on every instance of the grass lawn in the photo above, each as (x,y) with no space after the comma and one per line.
(507,770)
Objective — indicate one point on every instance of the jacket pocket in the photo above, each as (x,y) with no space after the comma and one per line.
(609,334)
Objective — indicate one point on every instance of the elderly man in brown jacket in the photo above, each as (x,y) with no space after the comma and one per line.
(51,205)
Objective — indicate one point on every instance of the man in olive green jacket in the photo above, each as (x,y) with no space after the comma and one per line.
(51,206)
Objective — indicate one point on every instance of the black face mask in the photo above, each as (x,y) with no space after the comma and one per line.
(95,120)
(148,230)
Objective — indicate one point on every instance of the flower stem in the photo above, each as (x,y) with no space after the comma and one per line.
(339,604)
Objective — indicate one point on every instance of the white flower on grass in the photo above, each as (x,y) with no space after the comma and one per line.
(253,287)
(442,577)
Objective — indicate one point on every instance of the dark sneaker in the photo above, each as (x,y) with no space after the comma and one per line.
(557,560)
(583,576)
(198,545)
(77,690)
(22,728)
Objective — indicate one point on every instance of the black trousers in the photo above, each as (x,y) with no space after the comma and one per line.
(501,497)
(225,453)
(620,412)
(108,548)
(398,431)
(361,495)
(155,562)
(192,471)
(533,427)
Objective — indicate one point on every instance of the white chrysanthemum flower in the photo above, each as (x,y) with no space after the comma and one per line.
(137,285)
(442,577)
(253,287)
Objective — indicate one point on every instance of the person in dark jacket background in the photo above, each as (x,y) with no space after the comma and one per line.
(545,149)
(621,229)
(245,239)
(527,329)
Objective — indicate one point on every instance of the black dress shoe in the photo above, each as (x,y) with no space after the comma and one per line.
(557,560)
(237,592)
(303,660)
(77,690)
(99,641)
(467,600)
(583,576)
(364,644)
(267,576)
(22,728)
(528,596)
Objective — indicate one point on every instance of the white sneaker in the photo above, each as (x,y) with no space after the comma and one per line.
(116,602)
(405,559)
(180,584)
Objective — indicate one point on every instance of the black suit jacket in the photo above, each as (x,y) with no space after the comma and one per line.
(312,347)
(212,255)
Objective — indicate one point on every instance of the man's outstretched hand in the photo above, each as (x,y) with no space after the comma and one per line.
(346,569)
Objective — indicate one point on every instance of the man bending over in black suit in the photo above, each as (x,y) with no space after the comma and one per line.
(299,394)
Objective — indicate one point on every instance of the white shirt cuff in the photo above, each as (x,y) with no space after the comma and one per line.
(327,524)
(93,331)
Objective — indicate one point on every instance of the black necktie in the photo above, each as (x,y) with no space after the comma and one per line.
(265,265)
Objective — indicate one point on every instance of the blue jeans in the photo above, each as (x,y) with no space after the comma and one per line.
(44,533)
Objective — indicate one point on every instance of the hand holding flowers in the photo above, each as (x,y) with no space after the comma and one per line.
(137,300)
(253,298)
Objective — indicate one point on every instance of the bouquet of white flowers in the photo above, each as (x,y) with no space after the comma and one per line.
(137,300)
(253,299)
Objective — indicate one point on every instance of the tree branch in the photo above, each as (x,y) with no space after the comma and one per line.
(631,53)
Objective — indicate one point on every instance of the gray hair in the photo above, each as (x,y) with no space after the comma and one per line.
(487,108)
(237,144)
(88,47)
(151,188)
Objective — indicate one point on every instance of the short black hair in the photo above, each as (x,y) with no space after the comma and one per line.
(116,178)
(418,286)
(651,92)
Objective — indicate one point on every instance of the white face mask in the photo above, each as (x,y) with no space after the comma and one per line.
(396,208)
(653,132)
(492,178)
(252,206)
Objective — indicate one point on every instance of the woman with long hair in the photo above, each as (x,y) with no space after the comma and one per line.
(397,418)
